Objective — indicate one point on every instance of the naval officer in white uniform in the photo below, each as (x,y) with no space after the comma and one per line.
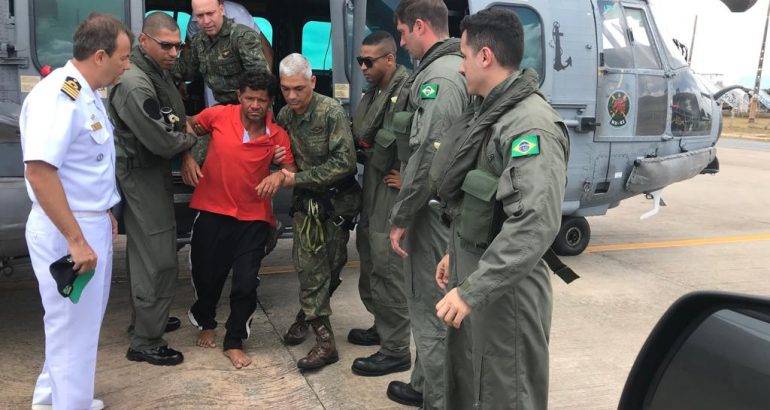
(70,174)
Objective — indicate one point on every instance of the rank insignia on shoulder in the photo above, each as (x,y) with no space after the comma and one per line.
(429,91)
(71,88)
(526,146)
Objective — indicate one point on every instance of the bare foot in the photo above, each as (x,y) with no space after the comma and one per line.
(206,338)
(238,358)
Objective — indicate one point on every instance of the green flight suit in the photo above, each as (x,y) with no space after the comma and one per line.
(323,149)
(222,59)
(436,96)
(149,118)
(506,212)
(381,284)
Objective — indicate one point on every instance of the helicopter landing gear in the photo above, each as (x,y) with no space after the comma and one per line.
(573,237)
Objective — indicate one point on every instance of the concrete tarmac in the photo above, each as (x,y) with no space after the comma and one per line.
(713,235)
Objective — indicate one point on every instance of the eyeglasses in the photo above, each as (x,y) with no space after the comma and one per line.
(165,44)
(369,61)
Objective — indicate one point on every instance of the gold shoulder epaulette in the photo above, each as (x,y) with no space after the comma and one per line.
(71,88)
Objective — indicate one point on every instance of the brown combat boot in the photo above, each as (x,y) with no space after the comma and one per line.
(298,331)
(324,352)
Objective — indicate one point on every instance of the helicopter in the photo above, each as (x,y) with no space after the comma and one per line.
(638,117)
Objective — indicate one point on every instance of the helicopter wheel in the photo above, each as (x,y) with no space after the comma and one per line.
(573,237)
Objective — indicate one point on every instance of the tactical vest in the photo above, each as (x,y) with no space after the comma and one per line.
(171,112)
(398,128)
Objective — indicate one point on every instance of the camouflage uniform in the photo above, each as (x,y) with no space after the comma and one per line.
(145,141)
(436,96)
(381,284)
(222,59)
(326,160)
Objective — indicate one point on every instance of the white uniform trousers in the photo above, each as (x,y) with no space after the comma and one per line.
(71,330)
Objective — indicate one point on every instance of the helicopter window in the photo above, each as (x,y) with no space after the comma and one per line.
(317,44)
(55,22)
(617,53)
(691,109)
(533,39)
(644,50)
(652,106)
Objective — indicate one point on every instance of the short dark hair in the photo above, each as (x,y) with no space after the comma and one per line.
(158,20)
(498,29)
(98,32)
(381,38)
(434,12)
(258,80)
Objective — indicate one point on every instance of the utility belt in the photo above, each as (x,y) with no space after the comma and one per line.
(323,199)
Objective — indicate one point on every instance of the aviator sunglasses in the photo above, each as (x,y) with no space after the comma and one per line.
(368,62)
(165,44)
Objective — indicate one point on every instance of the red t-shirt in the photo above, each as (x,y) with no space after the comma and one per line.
(233,168)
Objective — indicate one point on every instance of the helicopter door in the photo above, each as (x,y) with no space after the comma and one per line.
(632,91)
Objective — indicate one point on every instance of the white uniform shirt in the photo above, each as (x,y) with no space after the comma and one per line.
(75,136)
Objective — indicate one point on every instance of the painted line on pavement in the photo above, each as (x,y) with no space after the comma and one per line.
(678,243)
(272,270)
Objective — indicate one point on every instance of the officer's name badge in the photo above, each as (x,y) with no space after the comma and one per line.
(429,91)
(525,146)
(71,88)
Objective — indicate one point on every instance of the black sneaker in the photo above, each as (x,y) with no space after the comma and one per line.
(364,337)
(403,393)
(380,364)
(159,356)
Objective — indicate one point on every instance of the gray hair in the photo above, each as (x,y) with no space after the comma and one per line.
(294,64)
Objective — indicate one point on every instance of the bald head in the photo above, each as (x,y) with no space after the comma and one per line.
(210,15)
(157,21)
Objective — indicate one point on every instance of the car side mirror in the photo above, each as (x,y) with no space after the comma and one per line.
(710,350)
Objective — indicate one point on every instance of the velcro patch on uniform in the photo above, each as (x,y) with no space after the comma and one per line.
(526,146)
(429,91)
(71,88)
(151,108)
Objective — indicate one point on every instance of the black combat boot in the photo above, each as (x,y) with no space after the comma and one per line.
(403,393)
(324,352)
(380,364)
(298,331)
(364,337)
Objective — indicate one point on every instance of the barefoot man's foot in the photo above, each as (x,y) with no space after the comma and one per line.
(238,358)
(206,338)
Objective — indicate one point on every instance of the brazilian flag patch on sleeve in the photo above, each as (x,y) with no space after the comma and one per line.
(429,91)
(526,146)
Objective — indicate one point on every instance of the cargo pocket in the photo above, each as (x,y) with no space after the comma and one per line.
(401,127)
(478,208)
(382,155)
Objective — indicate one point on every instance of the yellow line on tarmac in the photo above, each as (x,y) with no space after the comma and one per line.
(678,243)
(271,270)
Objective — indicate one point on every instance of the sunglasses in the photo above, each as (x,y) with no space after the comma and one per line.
(165,45)
(368,62)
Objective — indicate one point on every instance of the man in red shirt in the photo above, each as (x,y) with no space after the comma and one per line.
(233,196)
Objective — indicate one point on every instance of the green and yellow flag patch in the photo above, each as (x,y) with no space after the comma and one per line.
(429,91)
(526,146)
